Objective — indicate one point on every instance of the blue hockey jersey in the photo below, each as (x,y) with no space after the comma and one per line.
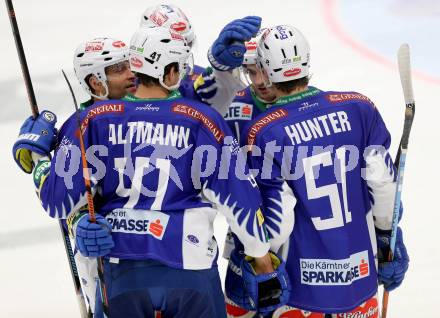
(327,180)
(160,170)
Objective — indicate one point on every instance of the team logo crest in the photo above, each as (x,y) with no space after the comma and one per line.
(50,117)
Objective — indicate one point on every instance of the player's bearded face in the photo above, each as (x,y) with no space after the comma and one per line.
(259,81)
(120,80)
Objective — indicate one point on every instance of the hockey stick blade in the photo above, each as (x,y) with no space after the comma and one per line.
(404,62)
(403,59)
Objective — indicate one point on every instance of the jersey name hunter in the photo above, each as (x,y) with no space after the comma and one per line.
(318,127)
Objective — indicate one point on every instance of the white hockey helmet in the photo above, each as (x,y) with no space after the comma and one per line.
(284,53)
(92,57)
(169,16)
(153,48)
(250,56)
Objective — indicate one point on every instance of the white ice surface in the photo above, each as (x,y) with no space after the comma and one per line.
(34,276)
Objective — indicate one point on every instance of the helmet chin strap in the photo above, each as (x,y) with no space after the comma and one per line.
(172,87)
(101,97)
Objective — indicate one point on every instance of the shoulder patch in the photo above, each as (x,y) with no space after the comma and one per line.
(191,112)
(342,97)
(263,122)
(100,110)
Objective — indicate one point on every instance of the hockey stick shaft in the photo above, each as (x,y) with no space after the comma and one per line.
(22,58)
(90,203)
(35,112)
(403,58)
(75,276)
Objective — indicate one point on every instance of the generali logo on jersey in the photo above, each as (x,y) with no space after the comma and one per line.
(261,123)
(100,110)
(342,97)
(189,111)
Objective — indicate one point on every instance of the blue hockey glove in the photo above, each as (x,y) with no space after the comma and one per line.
(228,50)
(93,239)
(264,292)
(205,85)
(391,274)
(36,135)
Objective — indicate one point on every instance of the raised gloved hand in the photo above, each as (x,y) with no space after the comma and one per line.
(256,292)
(391,274)
(228,49)
(36,135)
(93,239)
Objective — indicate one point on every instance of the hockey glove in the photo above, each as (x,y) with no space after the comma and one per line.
(36,135)
(264,292)
(391,274)
(205,85)
(228,50)
(93,239)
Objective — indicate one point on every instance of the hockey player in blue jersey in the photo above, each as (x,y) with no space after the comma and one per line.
(162,223)
(102,69)
(327,182)
(251,98)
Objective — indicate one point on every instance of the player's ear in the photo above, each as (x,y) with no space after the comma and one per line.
(95,84)
(172,75)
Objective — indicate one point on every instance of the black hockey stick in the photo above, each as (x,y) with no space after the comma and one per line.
(22,57)
(35,112)
(403,59)
(90,204)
